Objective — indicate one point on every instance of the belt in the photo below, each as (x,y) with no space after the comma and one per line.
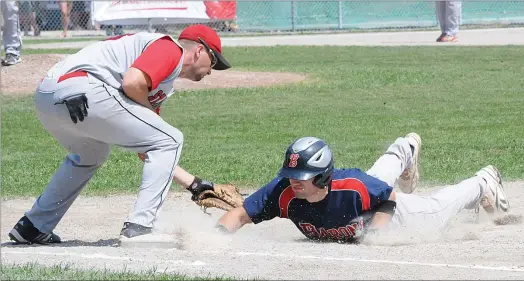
(78,73)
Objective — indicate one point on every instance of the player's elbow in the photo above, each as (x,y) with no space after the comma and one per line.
(135,83)
(392,196)
(244,217)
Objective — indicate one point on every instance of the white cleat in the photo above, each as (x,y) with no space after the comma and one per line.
(494,199)
(408,181)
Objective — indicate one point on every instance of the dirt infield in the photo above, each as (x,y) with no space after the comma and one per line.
(469,249)
(22,78)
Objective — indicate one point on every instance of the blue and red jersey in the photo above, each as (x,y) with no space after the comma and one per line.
(351,193)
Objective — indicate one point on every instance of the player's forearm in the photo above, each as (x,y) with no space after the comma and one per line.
(233,220)
(380,220)
(139,95)
(136,86)
(182,177)
(384,213)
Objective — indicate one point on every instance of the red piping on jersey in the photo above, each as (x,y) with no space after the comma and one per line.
(118,37)
(353,184)
(283,201)
(78,73)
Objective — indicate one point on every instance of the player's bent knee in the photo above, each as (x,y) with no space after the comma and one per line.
(89,156)
(174,139)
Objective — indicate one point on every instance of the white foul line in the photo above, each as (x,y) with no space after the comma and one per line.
(101,257)
(200,263)
(496,268)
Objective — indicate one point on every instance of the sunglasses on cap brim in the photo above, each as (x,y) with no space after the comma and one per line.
(214,59)
(218,62)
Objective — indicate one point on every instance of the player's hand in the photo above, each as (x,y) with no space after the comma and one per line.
(198,186)
(142,156)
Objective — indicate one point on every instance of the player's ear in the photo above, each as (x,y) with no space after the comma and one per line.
(197,52)
(201,50)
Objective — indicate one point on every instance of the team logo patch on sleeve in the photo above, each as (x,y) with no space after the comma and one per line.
(293,158)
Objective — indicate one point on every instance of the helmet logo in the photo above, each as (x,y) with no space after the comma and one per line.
(293,160)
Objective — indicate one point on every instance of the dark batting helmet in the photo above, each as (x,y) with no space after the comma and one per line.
(308,158)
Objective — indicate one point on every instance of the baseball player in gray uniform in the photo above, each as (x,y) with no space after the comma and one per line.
(449,14)
(11,33)
(110,93)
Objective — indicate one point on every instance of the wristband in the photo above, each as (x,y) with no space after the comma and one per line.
(196,182)
(387,207)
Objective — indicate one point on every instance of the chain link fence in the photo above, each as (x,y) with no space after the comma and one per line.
(267,16)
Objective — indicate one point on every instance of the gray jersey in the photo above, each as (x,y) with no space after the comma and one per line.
(109,60)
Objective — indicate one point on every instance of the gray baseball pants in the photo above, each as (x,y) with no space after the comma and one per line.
(449,16)
(11,33)
(113,119)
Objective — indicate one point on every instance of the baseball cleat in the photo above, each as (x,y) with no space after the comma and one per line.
(131,230)
(494,199)
(409,179)
(135,235)
(25,233)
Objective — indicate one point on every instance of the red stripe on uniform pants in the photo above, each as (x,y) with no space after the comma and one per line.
(78,73)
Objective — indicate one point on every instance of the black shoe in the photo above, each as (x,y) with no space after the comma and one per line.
(131,230)
(25,233)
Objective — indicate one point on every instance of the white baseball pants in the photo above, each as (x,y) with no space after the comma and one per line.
(11,32)
(424,212)
(449,16)
(112,119)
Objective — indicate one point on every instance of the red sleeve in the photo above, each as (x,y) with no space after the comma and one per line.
(159,60)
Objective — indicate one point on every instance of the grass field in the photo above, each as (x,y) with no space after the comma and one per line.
(465,102)
(66,272)
(37,40)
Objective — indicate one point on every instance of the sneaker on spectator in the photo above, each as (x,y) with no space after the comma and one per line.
(11,59)
(448,38)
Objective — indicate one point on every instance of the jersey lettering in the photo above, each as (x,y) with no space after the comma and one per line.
(157,98)
(340,233)
(309,229)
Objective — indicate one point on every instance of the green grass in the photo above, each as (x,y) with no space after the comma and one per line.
(48,51)
(465,102)
(61,40)
(34,271)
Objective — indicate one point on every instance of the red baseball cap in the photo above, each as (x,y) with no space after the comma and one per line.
(209,38)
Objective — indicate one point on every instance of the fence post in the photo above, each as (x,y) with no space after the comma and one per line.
(339,14)
(293,14)
(150,25)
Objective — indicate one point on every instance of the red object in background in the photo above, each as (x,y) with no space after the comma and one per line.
(222,10)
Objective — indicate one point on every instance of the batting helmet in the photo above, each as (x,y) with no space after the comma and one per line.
(308,158)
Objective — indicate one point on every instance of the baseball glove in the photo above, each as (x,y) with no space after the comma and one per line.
(223,196)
